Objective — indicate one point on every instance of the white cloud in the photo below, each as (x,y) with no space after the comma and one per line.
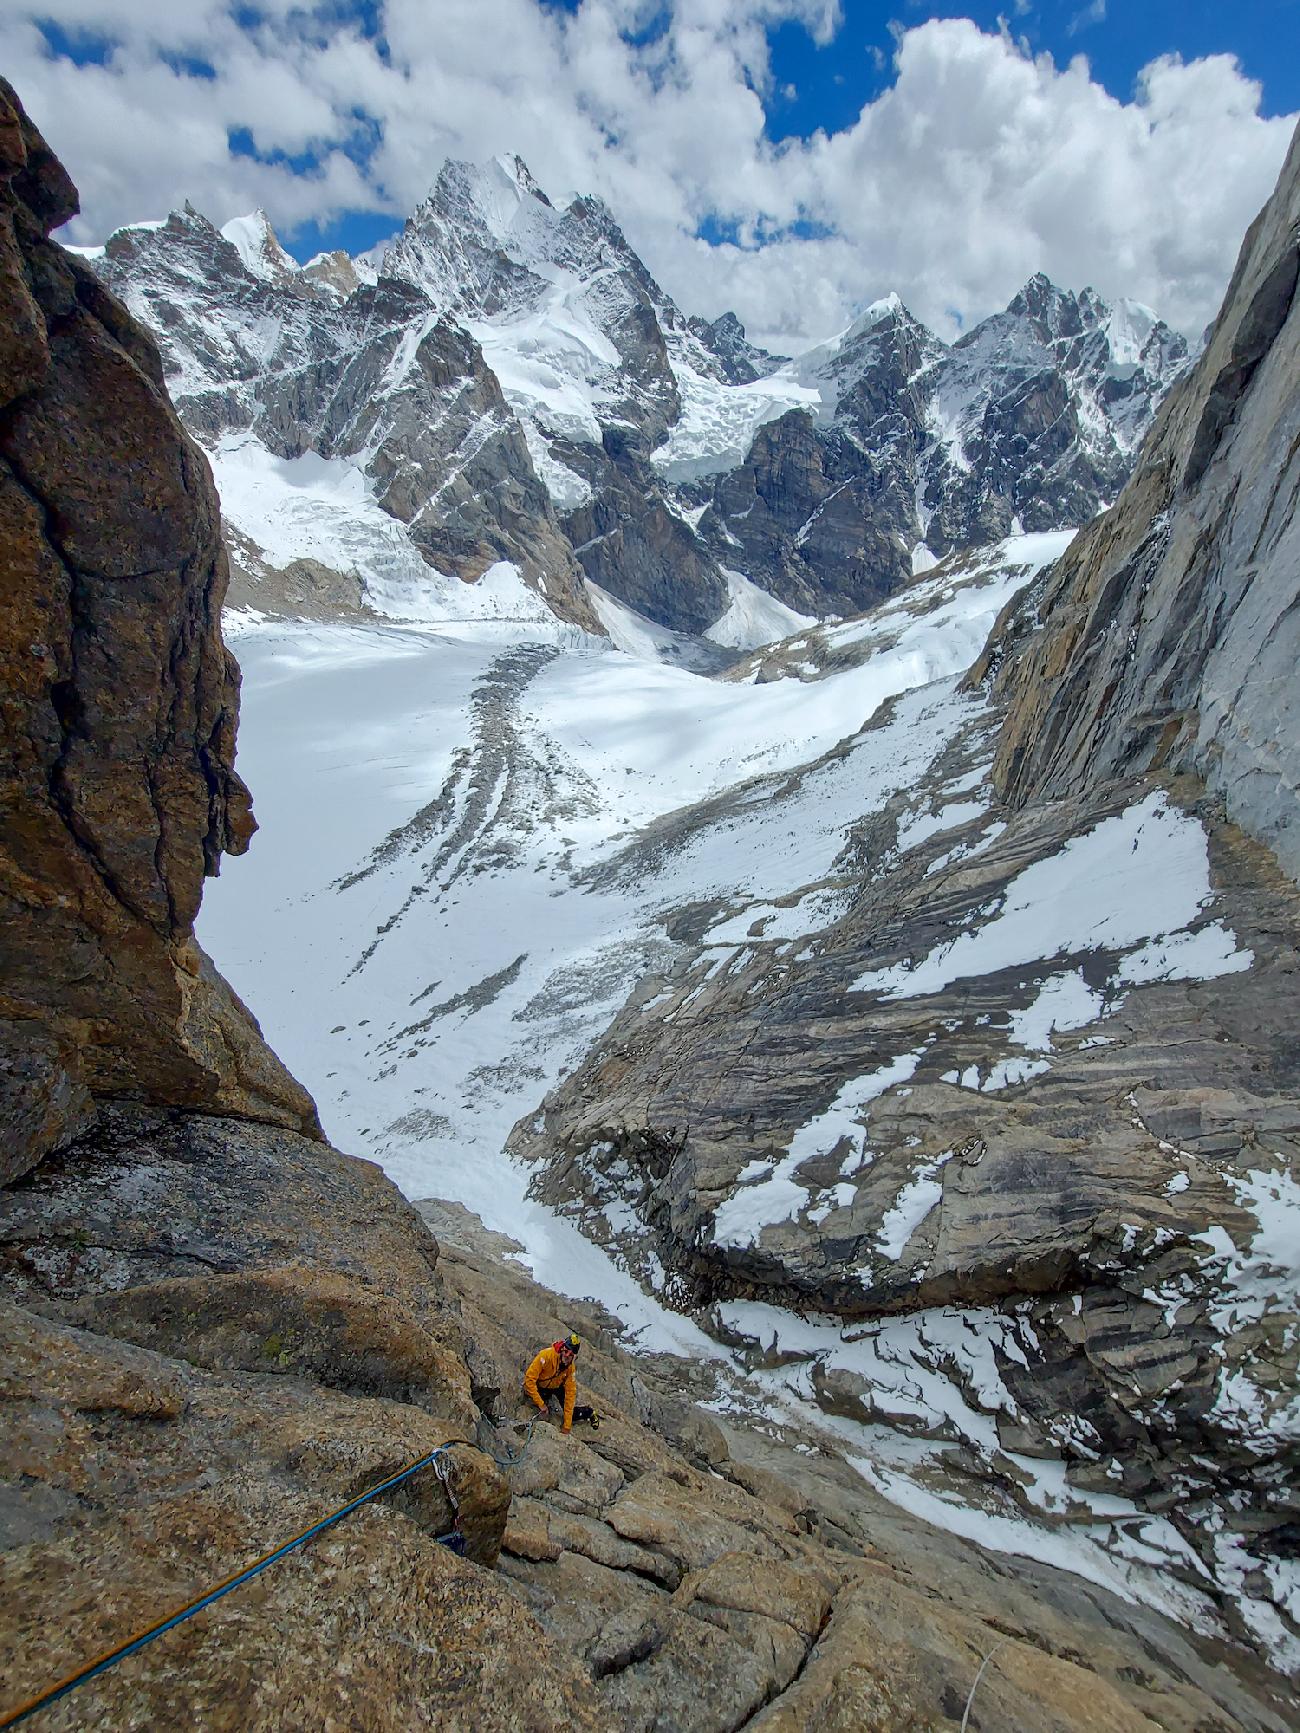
(1095,13)
(979,165)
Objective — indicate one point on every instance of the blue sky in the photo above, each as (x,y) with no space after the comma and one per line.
(794,157)
(825,85)
(834,80)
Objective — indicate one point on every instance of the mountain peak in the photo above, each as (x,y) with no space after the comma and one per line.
(1134,333)
(337,273)
(496,196)
(844,350)
(514,166)
(889,307)
(1041,298)
(258,245)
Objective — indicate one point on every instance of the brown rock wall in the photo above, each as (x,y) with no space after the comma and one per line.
(776,1588)
(118,792)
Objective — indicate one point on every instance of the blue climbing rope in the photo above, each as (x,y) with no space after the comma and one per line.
(112,1656)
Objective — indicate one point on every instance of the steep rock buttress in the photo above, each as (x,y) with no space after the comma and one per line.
(117,784)
(1170,631)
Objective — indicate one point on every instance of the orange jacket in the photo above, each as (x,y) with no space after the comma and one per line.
(547,1373)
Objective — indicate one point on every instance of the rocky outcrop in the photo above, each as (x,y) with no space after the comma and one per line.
(742,361)
(808,1133)
(706,1576)
(165,1480)
(217,1333)
(1170,632)
(661,1571)
(802,512)
(119,708)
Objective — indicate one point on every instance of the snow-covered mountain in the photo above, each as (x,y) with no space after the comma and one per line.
(892,1039)
(271,366)
(509,382)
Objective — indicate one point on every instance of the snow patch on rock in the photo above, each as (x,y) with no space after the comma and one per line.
(1139,876)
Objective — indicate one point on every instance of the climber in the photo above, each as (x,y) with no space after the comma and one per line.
(553,1372)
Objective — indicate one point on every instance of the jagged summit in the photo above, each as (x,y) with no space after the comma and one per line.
(259,246)
(483,224)
(493,202)
(847,352)
(742,361)
(1132,333)
(1114,362)
(498,190)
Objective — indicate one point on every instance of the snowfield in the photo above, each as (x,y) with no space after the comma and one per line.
(1135,880)
(719,421)
(323,508)
(448,808)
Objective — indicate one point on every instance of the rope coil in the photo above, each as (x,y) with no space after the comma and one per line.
(510,1458)
(142,1638)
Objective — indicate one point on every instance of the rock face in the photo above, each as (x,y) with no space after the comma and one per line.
(119,708)
(217,1328)
(489,244)
(217,1333)
(1031,418)
(1171,630)
(659,1572)
(706,1576)
(514,385)
(742,361)
(802,513)
(1024,1247)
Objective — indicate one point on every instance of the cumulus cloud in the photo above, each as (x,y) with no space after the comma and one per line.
(979,165)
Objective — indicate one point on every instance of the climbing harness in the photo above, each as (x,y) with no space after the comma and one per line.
(455,1541)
